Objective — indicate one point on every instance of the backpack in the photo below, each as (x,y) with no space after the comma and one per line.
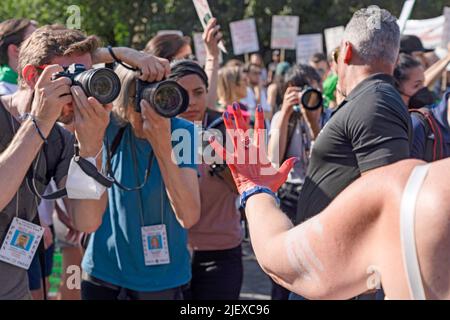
(434,144)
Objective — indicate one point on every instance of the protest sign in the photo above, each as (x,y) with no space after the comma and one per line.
(308,45)
(200,49)
(333,38)
(244,36)
(204,13)
(430,31)
(406,13)
(446,34)
(284,32)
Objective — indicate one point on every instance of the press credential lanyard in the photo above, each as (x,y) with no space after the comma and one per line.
(154,238)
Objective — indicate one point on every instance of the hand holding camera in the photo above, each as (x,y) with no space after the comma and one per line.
(50,97)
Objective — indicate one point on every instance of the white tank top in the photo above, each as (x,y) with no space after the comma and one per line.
(407,231)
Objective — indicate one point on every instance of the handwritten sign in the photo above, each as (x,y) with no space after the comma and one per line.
(430,31)
(284,32)
(204,13)
(308,45)
(244,36)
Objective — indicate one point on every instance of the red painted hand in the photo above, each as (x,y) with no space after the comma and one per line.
(249,162)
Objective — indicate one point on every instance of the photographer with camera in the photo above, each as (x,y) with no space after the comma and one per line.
(34,150)
(140,250)
(291,135)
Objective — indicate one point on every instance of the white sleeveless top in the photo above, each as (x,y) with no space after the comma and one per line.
(407,231)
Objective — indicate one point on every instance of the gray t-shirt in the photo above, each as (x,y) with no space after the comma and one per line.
(370,129)
(52,162)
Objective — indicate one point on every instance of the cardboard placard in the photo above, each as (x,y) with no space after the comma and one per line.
(308,45)
(284,32)
(244,36)
(205,14)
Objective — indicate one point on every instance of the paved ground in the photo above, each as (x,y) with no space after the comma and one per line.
(256,284)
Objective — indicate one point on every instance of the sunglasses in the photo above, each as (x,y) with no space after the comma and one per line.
(336,55)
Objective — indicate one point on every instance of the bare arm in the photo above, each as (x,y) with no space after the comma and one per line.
(326,257)
(17,158)
(433,73)
(185,201)
(212,36)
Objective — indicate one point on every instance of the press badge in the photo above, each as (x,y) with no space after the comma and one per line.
(21,243)
(156,249)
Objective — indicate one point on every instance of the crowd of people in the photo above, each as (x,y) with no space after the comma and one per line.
(169,226)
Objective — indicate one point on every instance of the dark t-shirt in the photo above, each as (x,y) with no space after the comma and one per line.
(52,162)
(440,114)
(370,129)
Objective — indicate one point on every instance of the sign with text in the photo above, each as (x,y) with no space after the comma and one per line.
(308,45)
(446,34)
(430,31)
(333,37)
(284,32)
(244,36)
(204,14)
(406,13)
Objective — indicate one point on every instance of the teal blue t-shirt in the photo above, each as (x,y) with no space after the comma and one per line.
(115,250)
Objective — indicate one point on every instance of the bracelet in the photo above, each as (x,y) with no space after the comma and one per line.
(257,190)
(33,119)
(111,52)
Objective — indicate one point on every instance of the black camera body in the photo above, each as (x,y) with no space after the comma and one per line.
(103,84)
(167,97)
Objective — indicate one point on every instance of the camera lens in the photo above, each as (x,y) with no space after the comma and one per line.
(312,99)
(169,99)
(102,84)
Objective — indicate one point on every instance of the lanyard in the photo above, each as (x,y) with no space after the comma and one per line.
(139,190)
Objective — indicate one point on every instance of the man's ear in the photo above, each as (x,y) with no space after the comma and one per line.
(348,54)
(30,75)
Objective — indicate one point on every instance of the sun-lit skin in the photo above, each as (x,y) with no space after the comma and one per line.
(415,81)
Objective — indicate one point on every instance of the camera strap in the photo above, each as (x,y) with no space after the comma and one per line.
(110,152)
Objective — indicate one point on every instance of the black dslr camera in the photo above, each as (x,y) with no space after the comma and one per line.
(311,98)
(167,97)
(103,84)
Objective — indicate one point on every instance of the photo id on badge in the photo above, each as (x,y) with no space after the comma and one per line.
(154,241)
(21,243)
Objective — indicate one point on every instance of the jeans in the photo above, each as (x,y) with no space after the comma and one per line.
(216,275)
(94,289)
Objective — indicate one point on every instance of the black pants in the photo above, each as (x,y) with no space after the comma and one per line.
(216,275)
(93,289)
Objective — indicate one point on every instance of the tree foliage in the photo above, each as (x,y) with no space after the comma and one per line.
(134,22)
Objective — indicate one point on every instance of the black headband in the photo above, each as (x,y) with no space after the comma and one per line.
(183,68)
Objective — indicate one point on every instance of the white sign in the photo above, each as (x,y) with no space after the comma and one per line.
(244,36)
(430,31)
(284,32)
(164,32)
(204,13)
(200,49)
(406,13)
(308,45)
(446,34)
(333,38)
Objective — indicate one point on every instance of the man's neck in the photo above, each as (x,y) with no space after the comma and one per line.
(357,74)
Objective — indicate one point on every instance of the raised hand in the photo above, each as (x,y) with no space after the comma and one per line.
(249,163)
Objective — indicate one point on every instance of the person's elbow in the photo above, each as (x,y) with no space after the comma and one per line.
(191,212)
